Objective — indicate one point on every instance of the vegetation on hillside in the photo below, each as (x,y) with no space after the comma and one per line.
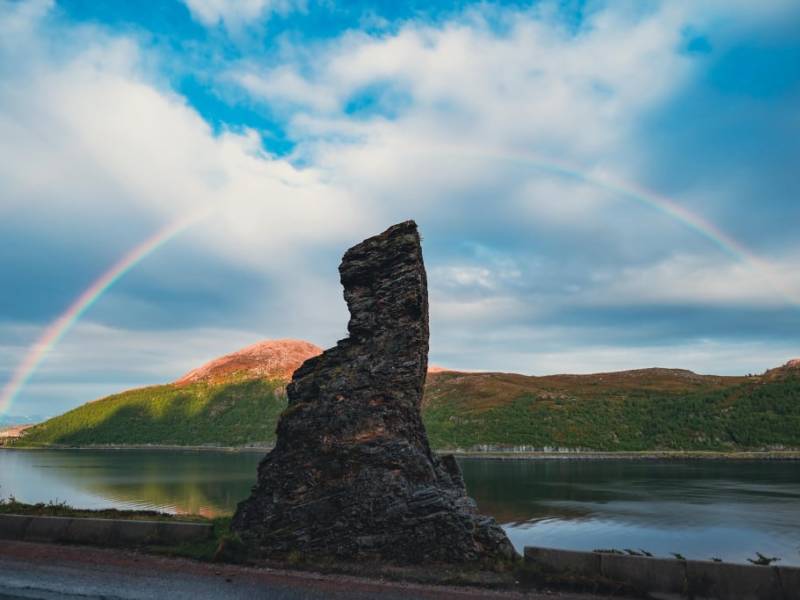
(233,414)
(721,414)
(653,409)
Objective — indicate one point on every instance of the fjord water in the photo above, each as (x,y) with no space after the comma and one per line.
(700,509)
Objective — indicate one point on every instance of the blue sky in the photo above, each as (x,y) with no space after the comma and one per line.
(307,125)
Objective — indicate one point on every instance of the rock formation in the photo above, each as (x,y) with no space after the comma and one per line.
(352,475)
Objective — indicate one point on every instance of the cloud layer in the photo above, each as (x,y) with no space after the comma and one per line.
(486,124)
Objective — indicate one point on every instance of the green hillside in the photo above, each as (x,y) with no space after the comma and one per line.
(706,414)
(231,414)
(651,409)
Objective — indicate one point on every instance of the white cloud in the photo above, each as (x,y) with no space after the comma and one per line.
(482,112)
(488,311)
(466,276)
(684,279)
(560,203)
(236,13)
(285,86)
(493,275)
(706,357)
(551,348)
(93,136)
(534,85)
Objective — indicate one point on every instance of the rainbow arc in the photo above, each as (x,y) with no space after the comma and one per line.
(56,330)
(61,325)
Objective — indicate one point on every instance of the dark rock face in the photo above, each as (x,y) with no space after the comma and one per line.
(352,474)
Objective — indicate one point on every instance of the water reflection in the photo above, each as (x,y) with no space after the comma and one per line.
(698,508)
(207,483)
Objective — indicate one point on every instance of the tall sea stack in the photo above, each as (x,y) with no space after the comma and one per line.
(352,475)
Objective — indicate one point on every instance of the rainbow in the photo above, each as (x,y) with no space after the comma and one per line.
(662,204)
(58,328)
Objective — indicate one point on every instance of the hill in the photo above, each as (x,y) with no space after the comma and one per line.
(236,401)
(270,359)
(648,409)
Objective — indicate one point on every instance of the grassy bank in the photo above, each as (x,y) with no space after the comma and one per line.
(10,506)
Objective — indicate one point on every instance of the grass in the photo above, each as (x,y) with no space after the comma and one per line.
(763,561)
(10,506)
(635,411)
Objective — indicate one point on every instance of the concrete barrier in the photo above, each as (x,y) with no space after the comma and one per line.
(91,531)
(728,581)
(13,527)
(104,532)
(659,575)
(141,532)
(666,578)
(586,564)
(790,582)
(46,529)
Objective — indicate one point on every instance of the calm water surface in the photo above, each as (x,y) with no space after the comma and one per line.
(697,508)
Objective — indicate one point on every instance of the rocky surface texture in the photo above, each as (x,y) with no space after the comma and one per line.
(352,475)
(272,359)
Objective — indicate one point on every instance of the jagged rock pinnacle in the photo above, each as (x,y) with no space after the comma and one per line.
(352,474)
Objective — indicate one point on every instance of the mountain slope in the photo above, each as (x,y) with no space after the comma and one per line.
(645,409)
(231,414)
(650,409)
(233,400)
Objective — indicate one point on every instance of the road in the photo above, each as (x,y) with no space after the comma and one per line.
(49,572)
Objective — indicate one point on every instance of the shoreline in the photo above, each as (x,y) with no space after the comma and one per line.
(738,455)
(735,455)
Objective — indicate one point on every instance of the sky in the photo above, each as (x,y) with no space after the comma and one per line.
(599,185)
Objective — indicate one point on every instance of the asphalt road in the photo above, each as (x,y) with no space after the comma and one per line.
(23,579)
(46,572)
